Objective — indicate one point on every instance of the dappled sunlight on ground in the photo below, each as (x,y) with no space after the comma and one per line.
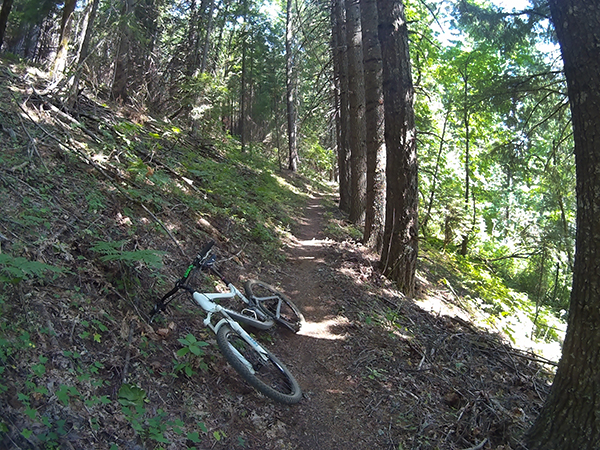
(366,355)
(310,242)
(434,302)
(515,327)
(283,182)
(314,242)
(324,329)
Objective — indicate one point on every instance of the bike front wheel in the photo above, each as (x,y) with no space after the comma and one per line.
(275,304)
(258,366)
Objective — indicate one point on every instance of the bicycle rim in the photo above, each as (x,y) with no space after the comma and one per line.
(275,304)
(261,369)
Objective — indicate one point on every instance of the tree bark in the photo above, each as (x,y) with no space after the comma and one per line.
(290,90)
(400,240)
(570,418)
(356,97)
(123,59)
(464,246)
(196,61)
(374,111)
(207,36)
(4,13)
(88,26)
(243,92)
(435,174)
(341,61)
(193,37)
(60,62)
(335,58)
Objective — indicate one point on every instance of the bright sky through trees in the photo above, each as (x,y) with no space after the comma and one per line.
(510,5)
(272,9)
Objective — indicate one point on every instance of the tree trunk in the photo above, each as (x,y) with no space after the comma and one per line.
(435,173)
(464,246)
(335,57)
(4,13)
(400,239)
(223,14)
(88,26)
(243,93)
(290,90)
(193,37)
(197,40)
(374,111)
(146,61)
(570,418)
(207,36)
(356,97)
(60,62)
(122,64)
(341,60)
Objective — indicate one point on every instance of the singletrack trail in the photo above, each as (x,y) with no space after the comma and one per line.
(337,410)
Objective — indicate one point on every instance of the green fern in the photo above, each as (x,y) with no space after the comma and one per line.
(111,251)
(14,269)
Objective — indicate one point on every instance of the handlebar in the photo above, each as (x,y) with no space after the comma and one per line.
(199,261)
(204,250)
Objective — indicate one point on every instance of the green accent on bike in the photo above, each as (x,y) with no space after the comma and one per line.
(188,271)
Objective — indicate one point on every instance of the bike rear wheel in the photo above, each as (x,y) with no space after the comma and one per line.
(275,304)
(259,368)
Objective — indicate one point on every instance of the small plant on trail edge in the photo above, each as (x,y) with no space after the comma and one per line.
(94,329)
(191,346)
(126,277)
(132,399)
(339,229)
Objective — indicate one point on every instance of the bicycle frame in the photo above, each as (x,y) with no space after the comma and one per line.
(205,302)
(233,292)
(256,364)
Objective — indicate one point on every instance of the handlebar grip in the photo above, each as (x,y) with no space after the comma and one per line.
(206,249)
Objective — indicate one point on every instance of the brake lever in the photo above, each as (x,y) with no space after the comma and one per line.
(207,264)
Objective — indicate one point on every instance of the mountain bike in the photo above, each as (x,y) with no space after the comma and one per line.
(264,306)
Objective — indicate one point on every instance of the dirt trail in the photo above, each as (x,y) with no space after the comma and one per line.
(335,411)
(377,372)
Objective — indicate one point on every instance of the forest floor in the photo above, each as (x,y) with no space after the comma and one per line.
(81,367)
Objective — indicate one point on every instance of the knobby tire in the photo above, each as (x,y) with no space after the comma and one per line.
(275,304)
(270,377)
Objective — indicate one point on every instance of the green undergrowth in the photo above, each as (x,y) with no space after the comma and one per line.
(216,181)
(479,290)
(92,230)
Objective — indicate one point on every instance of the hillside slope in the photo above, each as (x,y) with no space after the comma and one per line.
(102,210)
